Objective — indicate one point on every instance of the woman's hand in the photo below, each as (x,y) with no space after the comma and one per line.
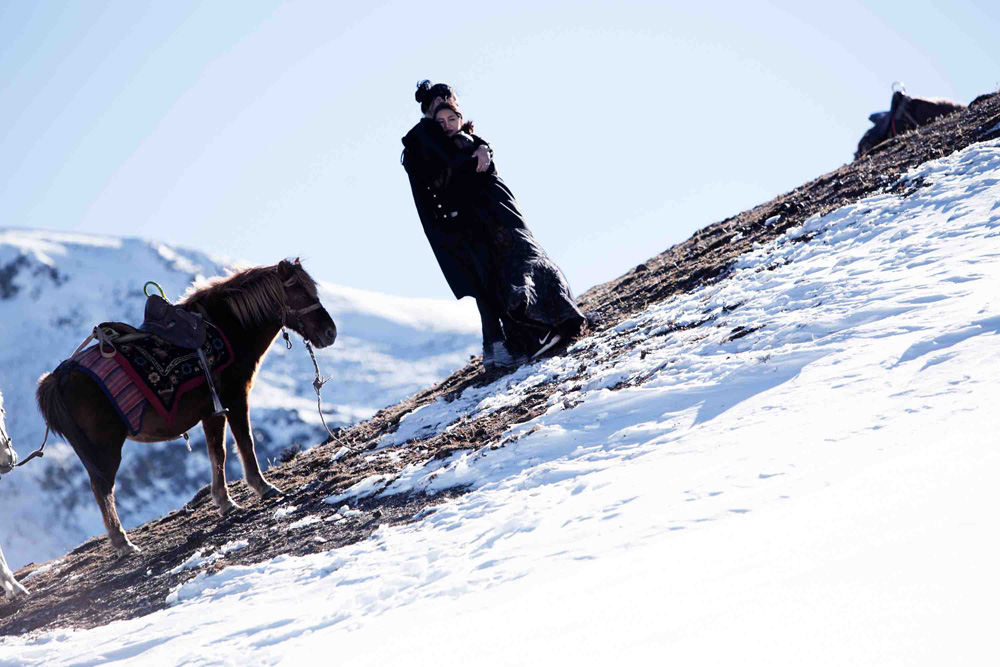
(482,156)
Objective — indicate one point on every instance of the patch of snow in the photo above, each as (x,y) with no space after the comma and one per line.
(306,521)
(366,487)
(44,568)
(195,561)
(235,545)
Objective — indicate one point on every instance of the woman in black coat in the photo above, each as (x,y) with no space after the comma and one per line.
(479,237)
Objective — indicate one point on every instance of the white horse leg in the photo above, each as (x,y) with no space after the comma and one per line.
(8,584)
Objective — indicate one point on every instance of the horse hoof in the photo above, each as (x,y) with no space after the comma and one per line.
(11,589)
(230,509)
(127,549)
(270,491)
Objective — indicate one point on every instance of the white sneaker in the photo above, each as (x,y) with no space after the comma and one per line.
(548,341)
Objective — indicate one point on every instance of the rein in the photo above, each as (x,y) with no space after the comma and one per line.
(319,381)
(38,453)
(318,386)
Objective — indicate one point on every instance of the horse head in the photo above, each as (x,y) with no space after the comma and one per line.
(303,312)
(8,457)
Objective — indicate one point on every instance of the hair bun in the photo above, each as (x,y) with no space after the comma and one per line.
(423,89)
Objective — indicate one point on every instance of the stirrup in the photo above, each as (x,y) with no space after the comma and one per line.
(216,403)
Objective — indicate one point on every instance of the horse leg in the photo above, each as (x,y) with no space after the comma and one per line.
(106,461)
(105,495)
(103,486)
(215,440)
(239,424)
(8,584)
(97,434)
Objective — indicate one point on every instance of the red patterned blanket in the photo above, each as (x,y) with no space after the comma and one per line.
(136,370)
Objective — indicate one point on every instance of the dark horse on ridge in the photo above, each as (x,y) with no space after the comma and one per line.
(250,307)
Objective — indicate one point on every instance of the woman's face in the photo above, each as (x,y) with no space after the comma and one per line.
(449,121)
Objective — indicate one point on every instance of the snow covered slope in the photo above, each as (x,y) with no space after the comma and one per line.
(794,466)
(54,287)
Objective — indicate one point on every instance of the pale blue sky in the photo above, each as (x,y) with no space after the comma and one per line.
(259,130)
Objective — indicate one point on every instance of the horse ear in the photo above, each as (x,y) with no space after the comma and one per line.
(285,269)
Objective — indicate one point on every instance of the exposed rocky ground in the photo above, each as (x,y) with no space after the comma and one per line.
(90,587)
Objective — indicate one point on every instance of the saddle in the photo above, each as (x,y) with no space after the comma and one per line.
(173,324)
(173,351)
(182,328)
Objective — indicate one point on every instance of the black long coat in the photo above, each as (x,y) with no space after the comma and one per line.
(433,163)
(481,241)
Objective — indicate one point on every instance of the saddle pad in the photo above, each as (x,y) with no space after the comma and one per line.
(164,372)
(117,385)
(146,370)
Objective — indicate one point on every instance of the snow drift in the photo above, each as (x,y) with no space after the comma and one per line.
(794,465)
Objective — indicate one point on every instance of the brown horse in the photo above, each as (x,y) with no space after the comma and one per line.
(905,114)
(250,307)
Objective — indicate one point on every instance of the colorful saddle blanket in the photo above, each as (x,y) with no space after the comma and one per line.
(136,369)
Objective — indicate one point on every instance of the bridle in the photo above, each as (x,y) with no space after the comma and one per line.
(296,313)
(13,460)
(37,454)
(5,442)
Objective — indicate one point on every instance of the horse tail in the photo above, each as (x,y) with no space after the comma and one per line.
(60,420)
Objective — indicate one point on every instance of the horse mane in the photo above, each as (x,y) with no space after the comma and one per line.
(255,295)
(942,101)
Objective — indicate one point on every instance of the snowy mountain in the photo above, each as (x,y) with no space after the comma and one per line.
(54,287)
